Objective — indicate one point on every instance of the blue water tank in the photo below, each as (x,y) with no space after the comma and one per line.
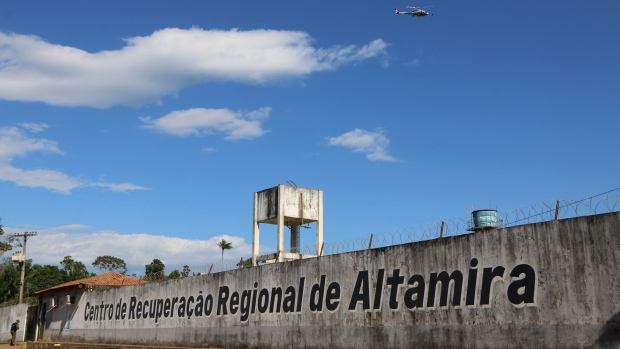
(484,219)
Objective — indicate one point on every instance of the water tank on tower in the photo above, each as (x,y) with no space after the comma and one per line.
(287,206)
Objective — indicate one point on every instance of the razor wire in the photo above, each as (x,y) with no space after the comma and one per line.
(203,269)
(545,211)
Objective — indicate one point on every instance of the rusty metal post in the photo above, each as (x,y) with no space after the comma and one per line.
(370,243)
(210,268)
(441,232)
(321,252)
(557,209)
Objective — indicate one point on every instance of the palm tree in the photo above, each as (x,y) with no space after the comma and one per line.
(224,245)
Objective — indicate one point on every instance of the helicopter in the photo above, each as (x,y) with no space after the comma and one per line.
(415,12)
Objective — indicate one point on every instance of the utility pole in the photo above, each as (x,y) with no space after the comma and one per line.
(22,260)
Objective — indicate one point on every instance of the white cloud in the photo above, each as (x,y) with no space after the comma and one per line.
(34,127)
(120,187)
(49,179)
(51,245)
(414,63)
(200,121)
(351,54)
(15,142)
(151,67)
(373,144)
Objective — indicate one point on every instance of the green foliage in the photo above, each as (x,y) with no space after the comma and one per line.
(246,263)
(110,263)
(154,271)
(173,275)
(155,266)
(43,277)
(5,245)
(74,270)
(224,245)
(9,281)
(37,278)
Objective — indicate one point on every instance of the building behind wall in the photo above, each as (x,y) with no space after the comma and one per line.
(60,303)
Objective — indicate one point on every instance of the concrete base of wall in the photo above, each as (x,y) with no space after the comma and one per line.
(55,345)
(365,337)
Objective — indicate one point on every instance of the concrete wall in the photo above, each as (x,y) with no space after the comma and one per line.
(8,315)
(546,285)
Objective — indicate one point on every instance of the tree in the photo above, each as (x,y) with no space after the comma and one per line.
(186,271)
(4,245)
(42,277)
(37,278)
(110,263)
(245,263)
(10,274)
(74,270)
(224,245)
(173,275)
(154,270)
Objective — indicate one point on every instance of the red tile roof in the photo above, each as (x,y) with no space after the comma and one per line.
(109,279)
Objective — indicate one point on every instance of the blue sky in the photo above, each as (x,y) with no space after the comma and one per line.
(142,129)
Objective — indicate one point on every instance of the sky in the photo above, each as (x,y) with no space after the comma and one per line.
(142,129)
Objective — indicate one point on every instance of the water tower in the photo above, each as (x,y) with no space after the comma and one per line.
(287,206)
